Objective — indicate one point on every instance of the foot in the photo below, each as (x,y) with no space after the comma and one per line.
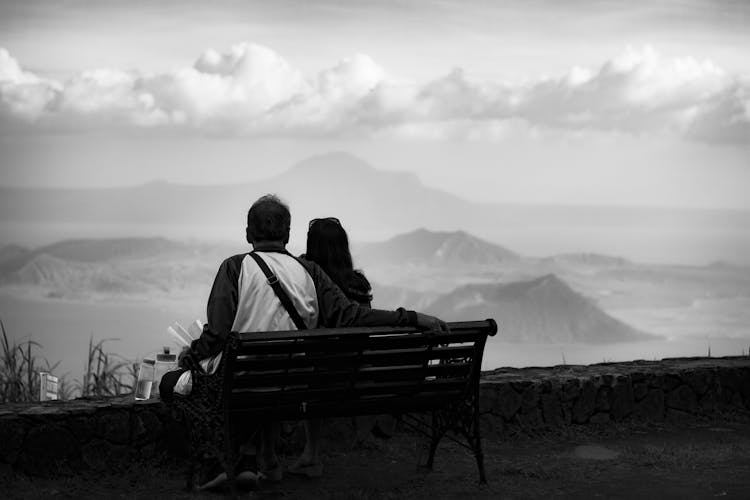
(272,475)
(307,467)
(246,475)
(212,475)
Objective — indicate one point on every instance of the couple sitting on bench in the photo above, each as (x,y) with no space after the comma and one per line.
(268,289)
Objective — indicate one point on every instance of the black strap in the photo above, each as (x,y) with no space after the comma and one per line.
(273,280)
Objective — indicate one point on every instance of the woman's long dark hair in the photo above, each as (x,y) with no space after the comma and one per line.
(328,246)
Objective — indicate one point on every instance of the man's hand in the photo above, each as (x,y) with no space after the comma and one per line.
(187,359)
(427,322)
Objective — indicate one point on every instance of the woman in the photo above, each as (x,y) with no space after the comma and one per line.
(328,246)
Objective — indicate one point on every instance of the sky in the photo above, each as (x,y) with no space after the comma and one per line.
(577,102)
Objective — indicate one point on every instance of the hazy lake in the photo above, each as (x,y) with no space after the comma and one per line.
(63,328)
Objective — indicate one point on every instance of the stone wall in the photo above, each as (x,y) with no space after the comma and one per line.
(60,436)
(671,389)
(56,436)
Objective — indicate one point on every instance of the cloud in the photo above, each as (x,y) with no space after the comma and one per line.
(251,90)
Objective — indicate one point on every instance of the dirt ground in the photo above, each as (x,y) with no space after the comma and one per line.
(706,459)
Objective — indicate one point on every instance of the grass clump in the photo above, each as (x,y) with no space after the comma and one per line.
(106,374)
(19,377)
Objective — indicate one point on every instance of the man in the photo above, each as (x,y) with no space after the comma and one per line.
(243,300)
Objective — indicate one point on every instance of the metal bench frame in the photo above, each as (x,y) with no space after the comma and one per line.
(337,372)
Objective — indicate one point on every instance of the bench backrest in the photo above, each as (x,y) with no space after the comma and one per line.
(351,371)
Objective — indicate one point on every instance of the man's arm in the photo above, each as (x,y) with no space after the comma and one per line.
(221,310)
(336,310)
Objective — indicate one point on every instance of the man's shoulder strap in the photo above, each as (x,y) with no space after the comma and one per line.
(273,281)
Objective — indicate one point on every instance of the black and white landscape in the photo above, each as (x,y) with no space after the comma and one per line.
(563,307)
(577,170)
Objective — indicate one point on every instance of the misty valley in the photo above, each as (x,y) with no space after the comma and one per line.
(561,309)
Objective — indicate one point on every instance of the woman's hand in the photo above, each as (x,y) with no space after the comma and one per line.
(427,322)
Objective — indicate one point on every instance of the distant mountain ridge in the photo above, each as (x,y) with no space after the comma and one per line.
(435,248)
(542,310)
(372,203)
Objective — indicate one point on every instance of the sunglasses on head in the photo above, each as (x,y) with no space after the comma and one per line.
(327,219)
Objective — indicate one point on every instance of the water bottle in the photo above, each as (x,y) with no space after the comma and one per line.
(145,379)
(164,362)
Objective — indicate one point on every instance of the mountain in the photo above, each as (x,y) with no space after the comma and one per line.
(436,248)
(368,201)
(12,252)
(63,278)
(97,250)
(373,204)
(79,268)
(543,310)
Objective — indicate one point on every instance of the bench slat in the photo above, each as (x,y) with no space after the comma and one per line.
(282,378)
(289,395)
(346,359)
(487,326)
(250,346)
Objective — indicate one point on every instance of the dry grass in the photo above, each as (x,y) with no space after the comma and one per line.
(106,374)
(19,377)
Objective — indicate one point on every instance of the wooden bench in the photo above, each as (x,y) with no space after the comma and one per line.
(295,375)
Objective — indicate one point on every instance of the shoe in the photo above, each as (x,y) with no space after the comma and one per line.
(379,433)
(274,475)
(309,470)
(246,475)
(212,475)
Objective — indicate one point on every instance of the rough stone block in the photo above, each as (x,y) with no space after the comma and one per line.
(730,381)
(585,404)
(640,390)
(82,428)
(656,381)
(678,416)
(567,413)
(12,433)
(101,455)
(737,400)
(652,406)
(603,398)
(48,449)
(488,396)
(744,382)
(682,398)
(491,426)
(530,398)
(552,410)
(622,399)
(146,427)
(508,401)
(599,418)
(671,381)
(699,380)
(530,420)
(571,389)
(114,426)
(708,403)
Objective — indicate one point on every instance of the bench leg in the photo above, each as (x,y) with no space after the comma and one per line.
(232,457)
(477,446)
(462,419)
(438,431)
